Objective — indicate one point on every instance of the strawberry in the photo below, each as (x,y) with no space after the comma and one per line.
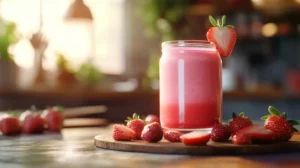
(152,118)
(123,133)
(238,122)
(241,139)
(220,132)
(279,124)
(223,36)
(32,122)
(195,138)
(53,118)
(10,125)
(152,132)
(172,136)
(136,124)
(255,133)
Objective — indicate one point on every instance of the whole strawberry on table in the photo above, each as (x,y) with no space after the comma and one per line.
(31,122)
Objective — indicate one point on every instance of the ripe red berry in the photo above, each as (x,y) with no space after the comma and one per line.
(239,122)
(220,132)
(136,124)
(172,136)
(278,123)
(152,132)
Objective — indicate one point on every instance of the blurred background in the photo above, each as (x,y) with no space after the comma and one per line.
(106,52)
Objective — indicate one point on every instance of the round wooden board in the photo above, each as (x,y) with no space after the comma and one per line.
(212,148)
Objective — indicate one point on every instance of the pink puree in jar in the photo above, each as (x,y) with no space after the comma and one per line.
(190,85)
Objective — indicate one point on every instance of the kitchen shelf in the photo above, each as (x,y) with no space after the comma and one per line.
(112,95)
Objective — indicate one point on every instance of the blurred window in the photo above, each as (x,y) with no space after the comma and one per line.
(72,40)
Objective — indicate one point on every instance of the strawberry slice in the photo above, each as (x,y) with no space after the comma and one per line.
(256,132)
(123,133)
(195,138)
(223,36)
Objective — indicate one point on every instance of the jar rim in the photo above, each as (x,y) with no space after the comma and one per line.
(188,43)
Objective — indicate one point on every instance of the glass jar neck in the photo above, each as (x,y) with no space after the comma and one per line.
(188,44)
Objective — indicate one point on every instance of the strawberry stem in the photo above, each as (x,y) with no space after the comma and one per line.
(33,108)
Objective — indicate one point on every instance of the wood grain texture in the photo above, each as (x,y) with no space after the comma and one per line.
(212,148)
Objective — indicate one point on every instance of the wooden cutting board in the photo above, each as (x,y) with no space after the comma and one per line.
(212,148)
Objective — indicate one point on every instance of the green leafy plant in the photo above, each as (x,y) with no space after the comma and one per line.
(88,73)
(163,18)
(8,37)
(62,63)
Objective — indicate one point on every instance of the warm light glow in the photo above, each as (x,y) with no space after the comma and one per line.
(298,1)
(257,2)
(269,29)
(72,39)
(23,54)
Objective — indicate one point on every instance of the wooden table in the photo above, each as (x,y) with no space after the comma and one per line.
(74,148)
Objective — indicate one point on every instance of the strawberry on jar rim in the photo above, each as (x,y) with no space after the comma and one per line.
(223,36)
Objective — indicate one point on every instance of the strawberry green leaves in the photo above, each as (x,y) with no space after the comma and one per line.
(293,122)
(134,117)
(213,21)
(273,111)
(265,117)
(219,22)
(233,115)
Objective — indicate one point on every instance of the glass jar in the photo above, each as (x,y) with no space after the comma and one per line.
(190,85)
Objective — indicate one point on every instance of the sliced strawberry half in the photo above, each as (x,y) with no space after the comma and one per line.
(223,36)
(123,133)
(256,132)
(195,138)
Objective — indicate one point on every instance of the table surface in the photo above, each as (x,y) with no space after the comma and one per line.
(74,148)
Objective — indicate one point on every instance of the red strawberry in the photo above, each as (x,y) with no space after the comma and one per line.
(222,36)
(241,139)
(10,125)
(256,132)
(238,122)
(53,118)
(152,132)
(220,132)
(123,133)
(279,124)
(152,118)
(136,124)
(32,122)
(195,138)
(172,136)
